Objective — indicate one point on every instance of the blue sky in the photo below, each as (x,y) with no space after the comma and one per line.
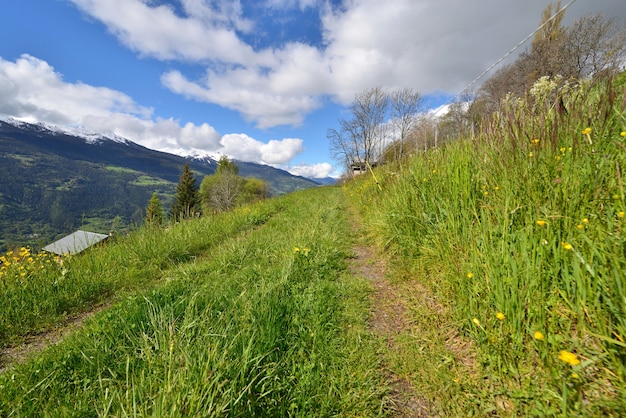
(257,80)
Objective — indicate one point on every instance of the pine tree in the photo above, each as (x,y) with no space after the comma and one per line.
(154,211)
(187,201)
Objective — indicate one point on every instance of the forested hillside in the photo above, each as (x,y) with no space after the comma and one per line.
(56,182)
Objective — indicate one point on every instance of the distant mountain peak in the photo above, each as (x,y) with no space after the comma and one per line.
(89,136)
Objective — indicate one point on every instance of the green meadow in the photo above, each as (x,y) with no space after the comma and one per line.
(505,249)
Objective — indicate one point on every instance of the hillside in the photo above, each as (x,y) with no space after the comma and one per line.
(497,289)
(56,182)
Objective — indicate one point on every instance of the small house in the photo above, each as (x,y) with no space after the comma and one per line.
(75,242)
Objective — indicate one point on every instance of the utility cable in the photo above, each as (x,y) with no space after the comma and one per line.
(523,41)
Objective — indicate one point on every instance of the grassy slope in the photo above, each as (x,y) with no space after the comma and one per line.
(232,321)
(511,253)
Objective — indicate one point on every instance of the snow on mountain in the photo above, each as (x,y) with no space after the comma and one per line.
(89,136)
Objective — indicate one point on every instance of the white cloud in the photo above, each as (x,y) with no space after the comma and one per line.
(428,45)
(159,32)
(275,152)
(31,90)
(315,171)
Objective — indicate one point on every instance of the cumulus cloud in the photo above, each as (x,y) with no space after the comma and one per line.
(315,171)
(31,90)
(158,31)
(275,152)
(431,46)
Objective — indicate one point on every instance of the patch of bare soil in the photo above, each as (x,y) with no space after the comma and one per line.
(388,319)
(35,343)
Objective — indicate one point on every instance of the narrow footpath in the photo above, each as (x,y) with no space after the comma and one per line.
(388,319)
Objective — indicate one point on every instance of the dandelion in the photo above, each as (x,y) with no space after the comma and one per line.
(530,155)
(567,246)
(585,221)
(538,335)
(470,275)
(615,197)
(580,226)
(496,188)
(500,316)
(476,321)
(485,193)
(575,376)
(569,358)
(535,141)
(620,214)
(622,134)
(296,250)
(586,131)
(562,150)
(541,222)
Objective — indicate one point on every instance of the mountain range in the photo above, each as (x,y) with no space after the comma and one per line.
(54,181)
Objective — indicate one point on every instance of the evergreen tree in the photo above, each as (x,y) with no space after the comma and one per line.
(187,201)
(154,211)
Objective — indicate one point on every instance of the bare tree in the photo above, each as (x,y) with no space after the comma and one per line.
(591,46)
(361,138)
(225,191)
(405,104)
(219,191)
(594,45)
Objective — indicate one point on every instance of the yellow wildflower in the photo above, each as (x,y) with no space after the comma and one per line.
(496,188)
(623,133)
(296,250)
(470,275)
(616,197)
(500,316)
(530,155)
(535,141)
(485,193)
(562,150)
(587,131)
(541,222)
(580,226)
(569,358)
(567,246)
(476,321)
(538,335)
(585,221)
(620,214)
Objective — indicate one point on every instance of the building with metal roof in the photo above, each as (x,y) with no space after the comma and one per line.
(75,242)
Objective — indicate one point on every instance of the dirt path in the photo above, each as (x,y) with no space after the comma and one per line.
(38,342)
(388,320)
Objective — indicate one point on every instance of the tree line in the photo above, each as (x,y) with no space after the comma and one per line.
(218,192)
(386,126)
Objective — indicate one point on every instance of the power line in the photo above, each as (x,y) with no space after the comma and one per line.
(523,41)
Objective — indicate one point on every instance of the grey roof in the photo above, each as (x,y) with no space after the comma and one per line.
(75,243)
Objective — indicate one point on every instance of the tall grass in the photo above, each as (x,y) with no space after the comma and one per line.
(520,233)
(267,323)
(34,299)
